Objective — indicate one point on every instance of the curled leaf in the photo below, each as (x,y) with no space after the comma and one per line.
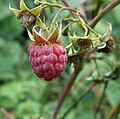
(107,34)
(36,2)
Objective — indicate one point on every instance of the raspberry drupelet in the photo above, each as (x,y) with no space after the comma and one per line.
(47,57)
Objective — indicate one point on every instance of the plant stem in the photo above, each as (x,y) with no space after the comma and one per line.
(64,8)
(51,25)
(78,100)
(103,12)
(114,112)
(101,99)
(6,114)
(76,72)
(65,92)
(46,4)
(68,5)
(92,30)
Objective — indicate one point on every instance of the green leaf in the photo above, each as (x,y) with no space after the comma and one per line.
(4,9)
(23,5)
(75,3)
(113,92)
(9,95)
(27,109)
(11,28)
(116,12)
(9,59)
(57,0)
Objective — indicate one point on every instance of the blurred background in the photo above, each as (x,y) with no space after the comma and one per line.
(24,96)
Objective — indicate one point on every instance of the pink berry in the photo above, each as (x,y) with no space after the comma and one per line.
(48,61)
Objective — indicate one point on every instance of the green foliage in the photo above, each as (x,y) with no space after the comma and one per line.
(25,96)
(113,92)
(76,3)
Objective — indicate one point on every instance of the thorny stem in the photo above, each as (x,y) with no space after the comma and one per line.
(76,72)
(78,100)
(101,99)
(65,92)
(103,12)
(114,112)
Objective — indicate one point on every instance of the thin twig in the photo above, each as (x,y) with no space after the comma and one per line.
(6,114)
(103,12)
(114,112)
(55,18)
(87,54)
(101,99)
(67,88)
(65,92)
(73,11)
(59,11)
(66,3)
(78,100)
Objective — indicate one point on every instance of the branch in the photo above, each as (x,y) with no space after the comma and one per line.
(114,112)
(6,114)
(101,99)
(66,3)
(103,12)
(76,72)
(68,87)
(73,11)
(65,92)
(78,100)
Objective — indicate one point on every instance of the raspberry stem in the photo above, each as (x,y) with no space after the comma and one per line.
(66,91)
(101,14)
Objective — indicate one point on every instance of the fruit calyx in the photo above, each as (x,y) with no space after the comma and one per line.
(28,17)
(40,36)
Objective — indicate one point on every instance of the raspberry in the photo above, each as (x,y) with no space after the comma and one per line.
(48,60)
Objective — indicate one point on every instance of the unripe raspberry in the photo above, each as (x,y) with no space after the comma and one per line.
(48,60)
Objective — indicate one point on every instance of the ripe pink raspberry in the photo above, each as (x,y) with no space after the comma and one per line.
(48,60)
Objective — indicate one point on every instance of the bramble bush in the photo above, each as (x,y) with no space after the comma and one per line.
(74,52)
